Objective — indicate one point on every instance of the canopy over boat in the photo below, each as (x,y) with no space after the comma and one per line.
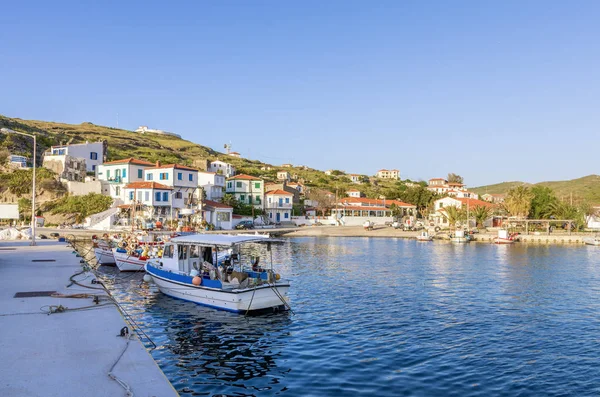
(222,240)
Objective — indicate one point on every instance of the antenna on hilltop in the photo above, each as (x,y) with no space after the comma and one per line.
(227,146)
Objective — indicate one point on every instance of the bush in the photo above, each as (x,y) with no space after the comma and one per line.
(81,206)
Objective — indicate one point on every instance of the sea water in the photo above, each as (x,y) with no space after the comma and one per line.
(390,317)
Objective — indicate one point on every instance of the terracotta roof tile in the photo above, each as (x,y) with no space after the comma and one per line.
(147,185)
(175,166)
(130,160)
(245,177)
(279,191)
(215,204)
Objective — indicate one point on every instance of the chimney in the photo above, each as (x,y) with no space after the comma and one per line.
(158,163)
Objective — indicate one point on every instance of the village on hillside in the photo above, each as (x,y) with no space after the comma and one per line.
(213,195)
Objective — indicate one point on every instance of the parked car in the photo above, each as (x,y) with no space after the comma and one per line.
(245,225)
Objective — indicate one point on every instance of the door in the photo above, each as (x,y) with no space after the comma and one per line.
(278,217)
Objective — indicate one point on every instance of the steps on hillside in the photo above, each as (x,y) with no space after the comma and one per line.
(95,219)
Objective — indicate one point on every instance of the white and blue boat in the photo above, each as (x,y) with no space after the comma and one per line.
(209,269)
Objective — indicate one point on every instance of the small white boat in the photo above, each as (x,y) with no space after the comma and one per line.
(192,269)
(592,240)
(504,237)
(459,237)
(103,252)
(128,261)
(424,236)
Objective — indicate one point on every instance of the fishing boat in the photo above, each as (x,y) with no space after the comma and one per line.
(103,252)
(504,237)
(592,240)
(193,268)
(424,236)
(459,237)
(135,249)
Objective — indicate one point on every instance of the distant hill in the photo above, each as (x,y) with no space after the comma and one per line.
(587,187)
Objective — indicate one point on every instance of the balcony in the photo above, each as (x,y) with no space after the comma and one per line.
(116,179)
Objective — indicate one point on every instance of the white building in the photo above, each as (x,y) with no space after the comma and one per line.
(143,129)
(218,214)
(356,178)
(17,161)
(354,193)
(440,216)
(221,167)
(94,153)
(247,189)
(234,154)
(442,186)
(213,184)
(283,176)
(152,200)
(462,194)
(116,174)
(183,180)
(388,174)
(278,205)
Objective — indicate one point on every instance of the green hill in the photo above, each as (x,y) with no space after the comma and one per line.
(169,149)
(587,188)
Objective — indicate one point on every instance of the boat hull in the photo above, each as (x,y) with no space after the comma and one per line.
(261,298)
(592,242)
(127,263)
(499,240)
(104,256)
(459,240)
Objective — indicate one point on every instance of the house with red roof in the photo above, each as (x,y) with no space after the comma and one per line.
(183,180)
(440,216)
(354,211)
(388,174)
(354,193)
(114,175)
(278,205)
(218,214)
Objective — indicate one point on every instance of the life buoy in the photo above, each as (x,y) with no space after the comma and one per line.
(94,237)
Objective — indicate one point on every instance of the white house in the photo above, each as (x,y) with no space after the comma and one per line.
(234,154)
(94,153)
(152,200)
(247,189)
(354,193)
(352,211)
(283,176)
(183,180)
(17,161)
(116,174)
(278,205)
(221,167)
(218,214)
(213,184)
(143,129)
(388,174)
(440,216)
(442,186)
(462,194)
(356,178)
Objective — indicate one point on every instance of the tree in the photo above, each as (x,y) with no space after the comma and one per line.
(518,201)
(455,215)
(418,196)
(481,214)
(230,200)
(323,199)
(395,211)
(455,178)
(543,198)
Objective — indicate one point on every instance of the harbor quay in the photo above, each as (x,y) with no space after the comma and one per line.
(62,335)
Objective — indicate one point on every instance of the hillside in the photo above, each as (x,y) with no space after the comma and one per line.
(587,188)
(169,149)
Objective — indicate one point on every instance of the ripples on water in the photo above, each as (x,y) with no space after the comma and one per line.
(391,317)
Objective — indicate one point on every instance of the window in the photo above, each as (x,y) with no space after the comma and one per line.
(148,177)
(93,156)
(118,191)
(178,195)
(130,195)
(164,176)
(286,215)
(229,185)
(107,174)
(287,200)
(191,177)
(180,176)
(139,195)
(147,196)
(223,216)
(141,173)
(157,196)
(165,196)
(93,168)
(242,197)
(168,251)
(249,199)
(257,199)
(238,184)
(124,173)
(257,185)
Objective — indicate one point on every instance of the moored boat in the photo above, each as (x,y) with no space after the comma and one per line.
(459,237)
(424,236)
(193,268)
(592,241)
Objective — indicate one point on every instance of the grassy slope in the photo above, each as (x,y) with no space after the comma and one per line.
(587,188)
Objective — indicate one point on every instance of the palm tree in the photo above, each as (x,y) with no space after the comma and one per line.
(454,215)
(481,214)
(518,201)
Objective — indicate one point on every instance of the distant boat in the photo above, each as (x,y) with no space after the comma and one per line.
(103,252)
(424,236)
(592,240)
(459,237)
(504,237)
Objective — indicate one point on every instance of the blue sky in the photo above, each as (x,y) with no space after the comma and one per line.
(494,91)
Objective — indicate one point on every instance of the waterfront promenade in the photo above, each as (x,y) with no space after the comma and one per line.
(66,353)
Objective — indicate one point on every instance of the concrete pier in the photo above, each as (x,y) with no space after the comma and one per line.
(66,353)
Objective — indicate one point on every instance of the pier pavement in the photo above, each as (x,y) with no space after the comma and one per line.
(67,353)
